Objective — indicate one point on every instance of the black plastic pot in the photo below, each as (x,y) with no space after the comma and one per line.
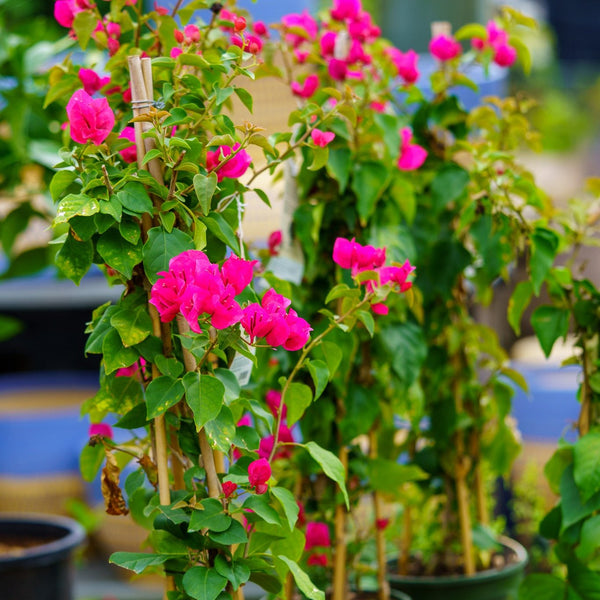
(42,571)
(492,584)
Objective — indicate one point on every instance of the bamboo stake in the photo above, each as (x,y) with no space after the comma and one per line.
(383,591)
(208,459)
(339,556)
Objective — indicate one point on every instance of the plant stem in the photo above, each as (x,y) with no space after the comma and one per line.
(339,554)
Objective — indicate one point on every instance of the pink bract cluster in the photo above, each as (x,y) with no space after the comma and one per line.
(90,119)
(504,54)
(444,47)
(412,156)
(273,399)
(259,473)
(235,166)
(269,320)
(195,287)
(318,539)
(349,254)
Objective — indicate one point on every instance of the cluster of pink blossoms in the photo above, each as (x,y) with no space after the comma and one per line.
(90,119)
(269,320)
(235,167)
(349,254)
(273,399)
(504,55)
(193,286)
(317,536)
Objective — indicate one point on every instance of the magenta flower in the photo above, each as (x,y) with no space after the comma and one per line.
(259,28)
(345,9)
(362,28)
(128,154)
(90,119)
(233,168)
(299,332)
(352,255)
(397,275)
(266,444)
(274,242)
(306,89)
(379,308)
(412,156)
(192,34)
(259,472)
(327,43)
(505,55)
(357,54)
(317,560)
(101,429)
(249,43)
(229,488)
(298,22)
(238,272)
(317,535)
(444,47)
(321,138)
(405,63)
(91,81)
(136,369)
(273,400)
(65,10)
(337,69)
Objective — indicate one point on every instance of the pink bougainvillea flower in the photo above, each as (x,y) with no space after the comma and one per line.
(239,24)
(444,47)
(397,275)
(175,52)
(192,34)
(306,89)
(92,82)
(113,46)
(299,332)
(229,488)
(405,63)
(327,43)
(357,54)
(349,254)
(505,55)
(301,55)
(381,524)
(238,272)
(249,43)
(245,421)
(259,473)
(321,138)
(378,107)
(136,369)
(379,309)
(273,400)
(161,10)
(362,28)
(65,10)
(90,119)
(101,429)
(305,28)
(259,28)
(317,535)
(113,30)
(317,560)
(337,69)
(412,156)
(129,154)
(285,437)
(345,9)
(274,242)
(233,168)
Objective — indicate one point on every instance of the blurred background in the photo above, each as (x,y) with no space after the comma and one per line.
(44,375)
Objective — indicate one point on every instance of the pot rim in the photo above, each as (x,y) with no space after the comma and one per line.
(74,535)
(506,570)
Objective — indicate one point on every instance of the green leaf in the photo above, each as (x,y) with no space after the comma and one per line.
(320,157)
(589,543)
(572,506)
(236,572)
(221,229)
(177,117)
(76,204)
(245,96)
(130,231)
(366,318)
(75,258)
(549,324)
(406,347)
(234,534)
(331,465)
(135,198)
(298,398)
(388,476)
(517,304)
(544,245)
(221,430)
(169,366)
(90,461)
(161,247)
(151,155)
(368,183)
(472,30)
(339,165)
(116,356)
(134,326)
(210,517)
(586,464)
(541,585)
(449,184)
(60,182)
(260,505)
(138,562)
(9,327)
(84,23)
(202,583)
(332,355)
(288,503)
(205,396)
(320,375)
(205,186)
(305,585)
(162,393)
(484,538)
(118,253)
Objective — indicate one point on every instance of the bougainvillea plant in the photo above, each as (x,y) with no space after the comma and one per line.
(151,190)
(406,167)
